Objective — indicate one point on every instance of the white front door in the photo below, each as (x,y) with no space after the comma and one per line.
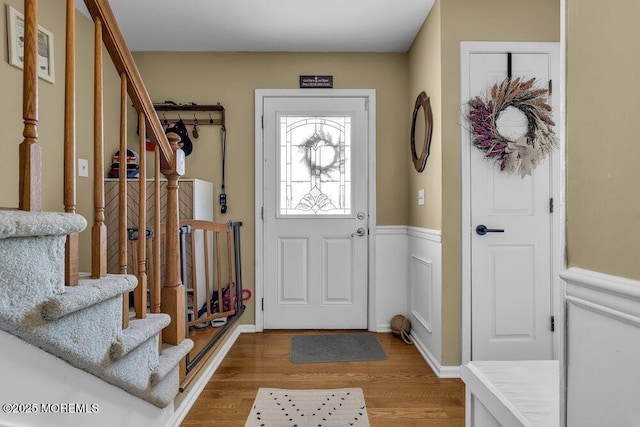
(315,212)
(511,270)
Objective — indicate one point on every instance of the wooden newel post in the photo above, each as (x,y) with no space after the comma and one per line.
(173,289)
(173,292)
(30,182)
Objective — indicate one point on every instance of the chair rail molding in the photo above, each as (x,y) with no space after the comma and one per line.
(425,233)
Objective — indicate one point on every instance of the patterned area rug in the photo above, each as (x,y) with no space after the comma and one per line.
(298,408)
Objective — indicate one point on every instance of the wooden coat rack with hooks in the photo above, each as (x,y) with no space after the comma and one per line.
(191,114)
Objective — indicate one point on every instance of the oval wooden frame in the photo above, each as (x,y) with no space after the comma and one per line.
(422,101)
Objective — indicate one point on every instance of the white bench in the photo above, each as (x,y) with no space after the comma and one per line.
(512,394)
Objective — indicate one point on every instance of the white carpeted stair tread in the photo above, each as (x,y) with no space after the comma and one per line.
(16,223)
(169,358)
(88,292)
(138,332)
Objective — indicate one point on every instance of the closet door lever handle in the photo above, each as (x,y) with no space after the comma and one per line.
(482,230)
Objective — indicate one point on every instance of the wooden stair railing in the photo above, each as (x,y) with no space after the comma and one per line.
(169,160)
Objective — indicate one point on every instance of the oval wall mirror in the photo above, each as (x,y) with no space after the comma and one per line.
(421,124)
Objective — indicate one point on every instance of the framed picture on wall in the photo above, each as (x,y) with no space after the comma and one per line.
(15,36)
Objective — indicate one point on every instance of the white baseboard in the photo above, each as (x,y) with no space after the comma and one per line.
(440,371)
(212,365)
(247,329)
(383,328)
(449,372)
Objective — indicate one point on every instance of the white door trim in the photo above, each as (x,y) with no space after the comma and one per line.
(260,94)
(558,261)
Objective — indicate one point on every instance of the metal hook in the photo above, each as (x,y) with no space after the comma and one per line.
(210,119)
(196,130)
(164,119)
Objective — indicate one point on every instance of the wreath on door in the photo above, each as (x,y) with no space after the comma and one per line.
(525,153)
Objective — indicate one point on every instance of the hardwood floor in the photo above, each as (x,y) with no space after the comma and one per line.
(399,390)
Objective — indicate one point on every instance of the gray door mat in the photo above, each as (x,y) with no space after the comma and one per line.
(325,348)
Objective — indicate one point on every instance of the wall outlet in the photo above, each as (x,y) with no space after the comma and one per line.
(83,168)
(421,197)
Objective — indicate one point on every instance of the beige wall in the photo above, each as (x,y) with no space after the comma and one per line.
(432,65)
(425,74)
(463,20)
(50,126)
(603,207)
(231,79)
(228,78)
(51,115)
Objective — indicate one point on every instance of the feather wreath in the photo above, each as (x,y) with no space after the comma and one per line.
(525,153)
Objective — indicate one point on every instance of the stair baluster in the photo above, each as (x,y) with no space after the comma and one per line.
(154,293)
(140,293)
(99,230)
(30,184)
(73,241)
(122,198)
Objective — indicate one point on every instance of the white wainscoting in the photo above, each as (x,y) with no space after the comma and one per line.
(603,345)
(392,277)
(425,295)
(409,282)
(421,303)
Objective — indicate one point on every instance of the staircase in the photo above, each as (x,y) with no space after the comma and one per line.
(84,319)
(80,324)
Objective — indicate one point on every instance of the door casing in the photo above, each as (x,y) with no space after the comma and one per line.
(370,97)
(558,258)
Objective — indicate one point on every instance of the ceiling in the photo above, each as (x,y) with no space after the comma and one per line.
(269,25)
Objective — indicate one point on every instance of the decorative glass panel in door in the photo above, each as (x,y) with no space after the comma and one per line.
(315,165)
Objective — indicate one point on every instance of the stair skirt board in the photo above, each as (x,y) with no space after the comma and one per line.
(35,376)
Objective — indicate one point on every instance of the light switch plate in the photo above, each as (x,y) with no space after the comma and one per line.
(421,197)
(83,168)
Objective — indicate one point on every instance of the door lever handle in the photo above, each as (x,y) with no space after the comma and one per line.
(482,230)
